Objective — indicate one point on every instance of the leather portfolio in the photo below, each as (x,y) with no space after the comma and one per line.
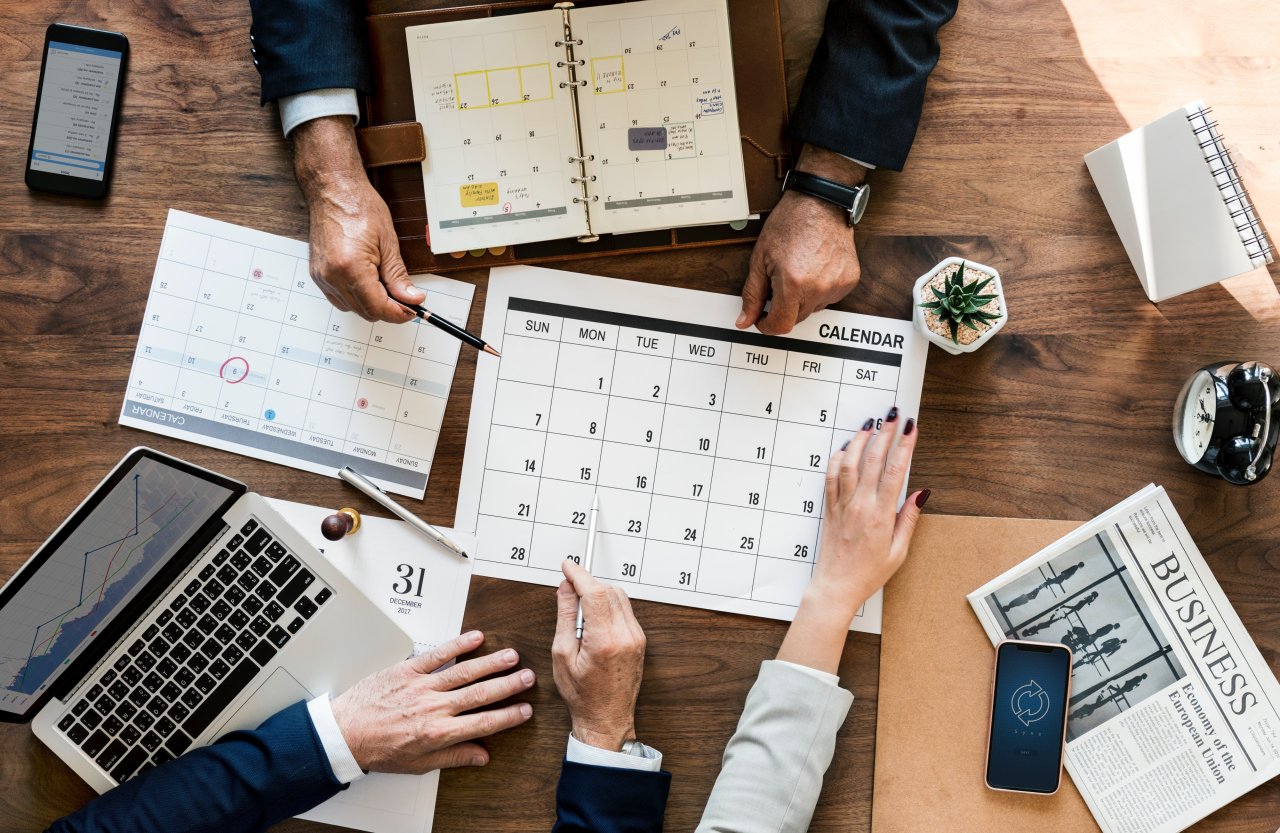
(933,704)
(393,146)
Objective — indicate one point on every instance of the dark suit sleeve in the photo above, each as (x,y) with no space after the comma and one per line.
(602,799)
(301,45)
(865,87)
(246,781)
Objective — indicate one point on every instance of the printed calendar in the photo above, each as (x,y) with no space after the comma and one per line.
(240,350)
(707,445)
(577,122)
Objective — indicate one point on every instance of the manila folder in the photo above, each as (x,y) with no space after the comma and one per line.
(935,687)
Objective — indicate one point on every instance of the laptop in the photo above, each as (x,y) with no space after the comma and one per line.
(171,607)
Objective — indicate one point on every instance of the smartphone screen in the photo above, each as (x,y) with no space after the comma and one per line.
(74,126)
(1028,717)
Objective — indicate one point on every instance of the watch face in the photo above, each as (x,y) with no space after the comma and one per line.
(1193,417)
(860,200)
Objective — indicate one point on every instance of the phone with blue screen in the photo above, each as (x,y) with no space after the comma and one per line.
(73,133)
(1027,734)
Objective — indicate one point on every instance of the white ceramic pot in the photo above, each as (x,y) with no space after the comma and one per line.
(944,341)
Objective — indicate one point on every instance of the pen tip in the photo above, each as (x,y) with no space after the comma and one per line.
(491,351)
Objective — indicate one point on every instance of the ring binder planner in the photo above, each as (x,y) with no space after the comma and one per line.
(1179,204)
(638,98)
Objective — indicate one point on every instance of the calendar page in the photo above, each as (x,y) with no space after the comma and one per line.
(707,445)
(240,350)
(659,115)
(498,121)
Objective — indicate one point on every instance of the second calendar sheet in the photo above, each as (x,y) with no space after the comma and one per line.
(707,445)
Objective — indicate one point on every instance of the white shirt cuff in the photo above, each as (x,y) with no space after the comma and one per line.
(866,165)
(649,759)
(341,761)
(813,672)
(314,104)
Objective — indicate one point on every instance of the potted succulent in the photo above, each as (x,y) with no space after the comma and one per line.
(959,305)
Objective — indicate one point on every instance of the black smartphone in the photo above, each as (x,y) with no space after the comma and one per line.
(73,132)
(1028,729)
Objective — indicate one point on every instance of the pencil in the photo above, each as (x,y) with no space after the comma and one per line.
(591,550)
(452,329)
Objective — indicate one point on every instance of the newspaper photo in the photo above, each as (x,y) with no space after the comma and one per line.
(1173,711)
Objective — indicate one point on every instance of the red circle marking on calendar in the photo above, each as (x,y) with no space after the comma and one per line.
(506,208)
(236,374)
(362,403)
(257,274)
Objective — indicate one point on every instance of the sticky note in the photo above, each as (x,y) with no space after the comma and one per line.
(646,138)
(479,193)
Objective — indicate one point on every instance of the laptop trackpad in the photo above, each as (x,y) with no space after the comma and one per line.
(279,690)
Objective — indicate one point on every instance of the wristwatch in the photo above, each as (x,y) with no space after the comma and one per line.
(852,200)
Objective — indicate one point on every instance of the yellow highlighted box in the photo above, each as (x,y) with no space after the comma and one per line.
(502,86)
(479,193)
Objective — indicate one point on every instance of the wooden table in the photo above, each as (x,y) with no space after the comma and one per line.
(1064,413)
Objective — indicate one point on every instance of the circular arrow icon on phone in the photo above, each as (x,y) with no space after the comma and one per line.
(1030,703)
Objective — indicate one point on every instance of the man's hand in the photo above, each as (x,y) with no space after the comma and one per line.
(599,677)
(409,718)
(805,257)
(355,255)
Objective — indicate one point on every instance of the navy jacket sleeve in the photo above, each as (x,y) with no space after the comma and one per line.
(301,45)
(865,87)
(602,799)
(246,781)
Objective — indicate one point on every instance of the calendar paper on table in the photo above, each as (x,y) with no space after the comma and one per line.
(240,350)
(708,445)
(577,122)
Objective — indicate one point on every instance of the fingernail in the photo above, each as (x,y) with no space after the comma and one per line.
(911,426)
(472,636)
(509,655)
(866,426)
(893,414)
(742,320)
(526,710)
(922,498)
(478,760)
(526,677)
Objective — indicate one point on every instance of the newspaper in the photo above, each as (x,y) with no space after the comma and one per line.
(1173,711)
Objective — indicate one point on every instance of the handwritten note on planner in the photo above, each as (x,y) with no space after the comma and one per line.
(240,350)
(708,445)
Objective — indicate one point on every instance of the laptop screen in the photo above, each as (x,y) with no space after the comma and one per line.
(93,566)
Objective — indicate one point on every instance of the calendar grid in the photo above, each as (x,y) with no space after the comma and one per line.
(241,351)
(762,542)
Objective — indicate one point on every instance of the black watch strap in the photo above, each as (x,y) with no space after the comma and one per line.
(852,200)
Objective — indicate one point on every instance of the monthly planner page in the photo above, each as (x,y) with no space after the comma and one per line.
(659,115)
(498,119)
(240,350)
(706,445)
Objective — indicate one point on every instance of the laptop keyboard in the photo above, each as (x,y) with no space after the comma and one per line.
(193,654)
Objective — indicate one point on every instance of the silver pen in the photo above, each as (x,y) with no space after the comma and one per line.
(591,549)
(371,491)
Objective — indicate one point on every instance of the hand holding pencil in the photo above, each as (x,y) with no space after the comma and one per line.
(598,676)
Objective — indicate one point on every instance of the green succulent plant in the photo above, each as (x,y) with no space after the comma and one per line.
(960,304)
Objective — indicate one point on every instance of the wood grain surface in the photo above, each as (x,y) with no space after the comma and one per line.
(1063,414)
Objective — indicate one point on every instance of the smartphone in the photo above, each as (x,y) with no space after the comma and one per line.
(73,131)
(1028,729)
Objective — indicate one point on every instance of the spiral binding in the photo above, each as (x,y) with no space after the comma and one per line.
(1234,194)
(570,64)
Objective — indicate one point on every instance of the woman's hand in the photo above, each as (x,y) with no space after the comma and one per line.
(864,539)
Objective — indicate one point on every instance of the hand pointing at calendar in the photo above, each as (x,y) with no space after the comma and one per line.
(355,255)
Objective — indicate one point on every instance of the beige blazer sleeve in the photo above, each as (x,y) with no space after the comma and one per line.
(774,763)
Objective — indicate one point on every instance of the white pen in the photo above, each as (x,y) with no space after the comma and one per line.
(371,491)
(591,549)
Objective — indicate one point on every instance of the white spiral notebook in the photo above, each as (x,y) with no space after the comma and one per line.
(1178,203)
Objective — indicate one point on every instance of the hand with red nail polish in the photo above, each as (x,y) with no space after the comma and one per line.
(864,540)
